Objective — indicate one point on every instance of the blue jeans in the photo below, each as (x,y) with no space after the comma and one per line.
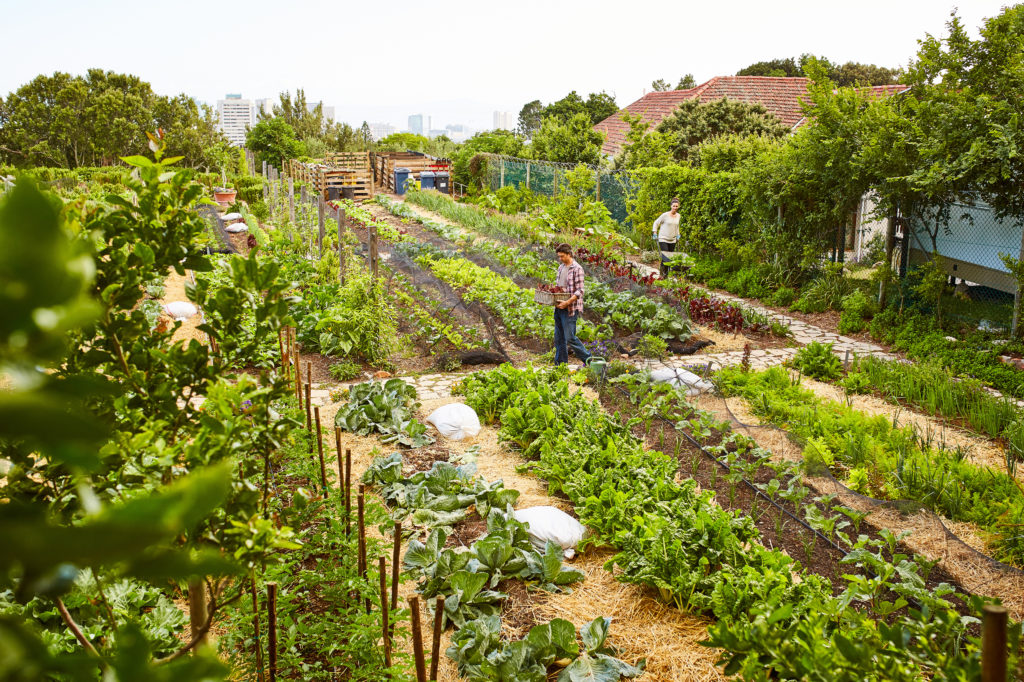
(565,338)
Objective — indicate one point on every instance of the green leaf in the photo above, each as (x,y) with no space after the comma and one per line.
(595,633)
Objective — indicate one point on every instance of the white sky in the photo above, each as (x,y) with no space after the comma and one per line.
(456,61)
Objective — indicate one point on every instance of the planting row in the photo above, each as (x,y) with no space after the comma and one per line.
(773,619)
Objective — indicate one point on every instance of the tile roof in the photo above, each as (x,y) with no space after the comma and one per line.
(780,96)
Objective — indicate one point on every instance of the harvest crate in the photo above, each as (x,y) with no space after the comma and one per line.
(548,298)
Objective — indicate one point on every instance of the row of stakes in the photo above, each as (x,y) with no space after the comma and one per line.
(289,354)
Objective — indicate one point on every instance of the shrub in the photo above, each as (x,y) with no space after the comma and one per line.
(817,361)
(857,309)
(825,292)
(260,210)
(783,296)
(249,189)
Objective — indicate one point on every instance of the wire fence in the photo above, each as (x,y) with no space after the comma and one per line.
(969,239)
(611,187)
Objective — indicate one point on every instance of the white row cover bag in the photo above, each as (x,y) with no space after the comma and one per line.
(235,228)
(455,421)
(180,310)
(551,523)
(680,378)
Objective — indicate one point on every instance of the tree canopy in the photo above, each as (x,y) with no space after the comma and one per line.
(571,140)
(274,141)
(685,83)
(694,122)
(848,74)
(597,106)
(95,119)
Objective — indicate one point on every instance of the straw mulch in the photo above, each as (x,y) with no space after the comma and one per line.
(959,547)
(174,290)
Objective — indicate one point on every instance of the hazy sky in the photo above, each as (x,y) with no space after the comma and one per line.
(456,61)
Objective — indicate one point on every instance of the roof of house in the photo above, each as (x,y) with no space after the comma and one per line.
(780,96)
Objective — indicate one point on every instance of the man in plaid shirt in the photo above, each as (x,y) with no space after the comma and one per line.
(570,278)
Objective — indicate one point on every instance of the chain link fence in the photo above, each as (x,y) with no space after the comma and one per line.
(611,187)
(968,239)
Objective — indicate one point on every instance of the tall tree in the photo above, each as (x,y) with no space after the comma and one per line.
(530,118)
(274,141)
(694,122)
(843,75)
(685,83)
(95,119)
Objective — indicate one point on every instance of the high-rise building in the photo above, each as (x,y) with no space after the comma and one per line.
(264,106)
(416,124)
(381,130)
(234,117)
(504,120)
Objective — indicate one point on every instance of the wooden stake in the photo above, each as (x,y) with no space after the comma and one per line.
(272,629)
(363,568)
(396,558)
(374,264)
(382,569)
(256,628)
(341,462)
(321,234)
(435,649)
(348,492)
(309,415)
(320,452)
(417,639)
(993,644)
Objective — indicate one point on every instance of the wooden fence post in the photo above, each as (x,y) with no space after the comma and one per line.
(417,639)
(993,644)
(527,175)
(502,173)
(597,173)
(385,627)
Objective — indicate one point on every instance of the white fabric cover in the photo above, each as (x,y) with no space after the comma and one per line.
(551,523)
(455,421)
(237,227)
(180,310)
(231,216)
(680,378)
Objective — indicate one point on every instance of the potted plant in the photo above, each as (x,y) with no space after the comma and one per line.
(225,196)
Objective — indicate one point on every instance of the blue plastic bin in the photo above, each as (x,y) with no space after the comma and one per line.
(427,180)
(401,175)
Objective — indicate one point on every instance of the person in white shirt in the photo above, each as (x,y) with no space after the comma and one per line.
(666,231)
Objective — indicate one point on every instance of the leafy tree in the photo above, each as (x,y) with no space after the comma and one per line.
(967,103)
(530,118)
(307,122)
(685,83)
(95,119)
(567,107)
(365,137)
(599,106)
(843,75)
(730,152)
(273,141)
(502,142)
(694,122)
(569,141)
(779,68)
(643,147)
(400,142)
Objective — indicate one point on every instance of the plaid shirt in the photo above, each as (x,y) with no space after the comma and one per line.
(570,278)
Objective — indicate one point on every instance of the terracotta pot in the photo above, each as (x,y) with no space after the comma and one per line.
(224,197)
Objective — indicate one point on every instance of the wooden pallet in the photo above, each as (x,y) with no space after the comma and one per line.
(385,163)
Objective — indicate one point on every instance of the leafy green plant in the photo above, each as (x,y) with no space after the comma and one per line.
(817,361)
(344,370)
(387,408)
(857,310)
(651,347)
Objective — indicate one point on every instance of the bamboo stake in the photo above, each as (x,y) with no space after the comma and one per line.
(435,649)
(272,629)
(417,639)
(256,627)
(320,452)
(382,569)
(993,644)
